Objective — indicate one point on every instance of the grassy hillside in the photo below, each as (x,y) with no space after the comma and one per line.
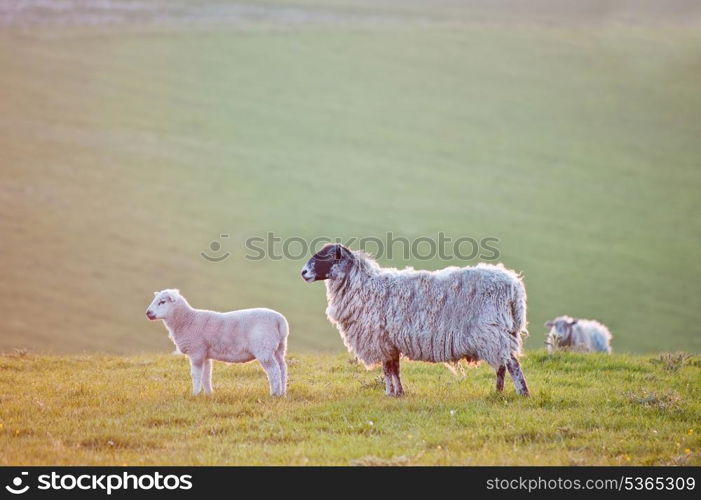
(97,409)
(568,131)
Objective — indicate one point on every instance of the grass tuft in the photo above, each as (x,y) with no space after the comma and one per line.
(668,401)
(673,361)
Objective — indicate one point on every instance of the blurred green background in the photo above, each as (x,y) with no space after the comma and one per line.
(133,134)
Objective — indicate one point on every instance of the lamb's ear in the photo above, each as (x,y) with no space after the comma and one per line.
(549,324)
(339,252)
(572,323)
(155,293)
(170,297)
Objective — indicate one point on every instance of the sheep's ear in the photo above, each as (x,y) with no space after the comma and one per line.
(155,293)
(572,323)
(170,298)
(339,252)
(549,324)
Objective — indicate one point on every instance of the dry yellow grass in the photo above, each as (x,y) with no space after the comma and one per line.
(111,410)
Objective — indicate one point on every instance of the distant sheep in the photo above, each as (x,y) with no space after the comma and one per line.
(582,335)
(472,313)
(234,337)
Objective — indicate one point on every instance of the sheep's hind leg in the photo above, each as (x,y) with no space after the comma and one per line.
(517,376)
(280,358)
(272,369)
(501,373)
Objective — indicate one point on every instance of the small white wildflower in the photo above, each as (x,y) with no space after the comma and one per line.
(371,423)
(452,413)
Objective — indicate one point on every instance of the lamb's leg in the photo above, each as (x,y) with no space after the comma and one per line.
(517,376)
(196,368)
(280,358)
(388,369)
(398,389)
(207,376)
(501,372)
(272,369)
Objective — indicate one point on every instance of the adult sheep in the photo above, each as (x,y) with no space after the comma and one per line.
(234,337)
(473,313)
(582,335)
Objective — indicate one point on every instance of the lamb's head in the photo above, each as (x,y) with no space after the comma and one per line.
(162,304)
(560,331)
(331,262)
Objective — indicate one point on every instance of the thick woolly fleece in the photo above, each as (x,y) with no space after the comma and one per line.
(581,335)
(474,313)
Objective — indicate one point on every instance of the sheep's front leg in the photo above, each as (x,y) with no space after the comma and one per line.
(272,369)
(398,389)
(393,384)
(389,385)
(207,376)
(196,369)
(517,376)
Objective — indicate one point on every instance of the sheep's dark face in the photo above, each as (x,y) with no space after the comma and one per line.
(560,331)
(330,262)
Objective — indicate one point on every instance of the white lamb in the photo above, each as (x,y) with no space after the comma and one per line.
(234,337)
